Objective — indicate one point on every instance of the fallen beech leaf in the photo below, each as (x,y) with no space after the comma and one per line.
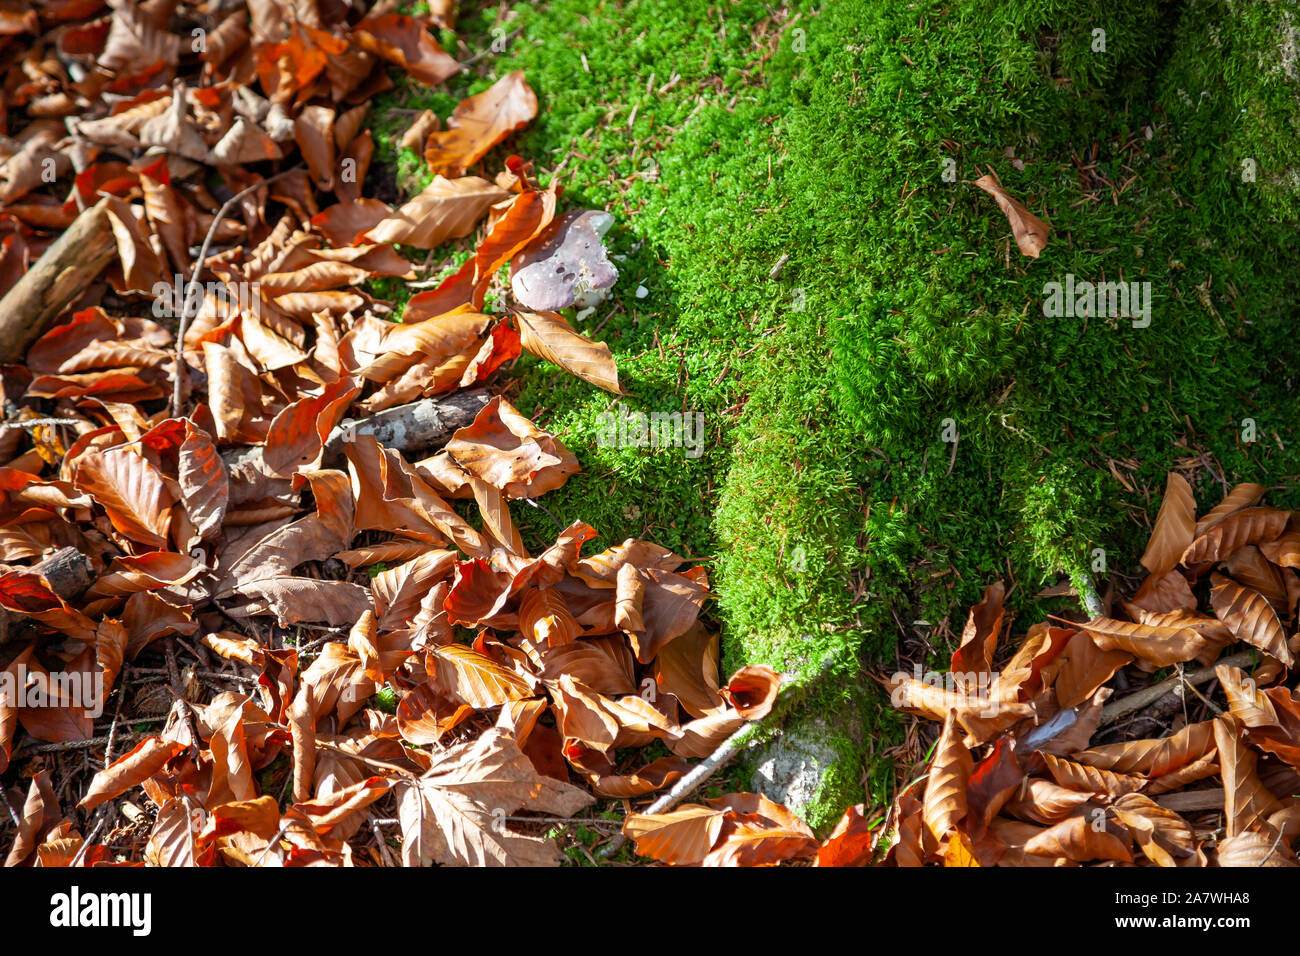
(1164,836)
(1270,717)
(945,789)
(445,209)
(507,451)
(527,214)
(1030,232)
(26,592)
(1247,802)
(129,770)
(680,837)
(1162,593)
(452,814)
(752,691)
(983,719)
(425,717)
(295,599)
(1249,568)
(1250,618)
(131,491)
(1283,551)
(993,781)
(40,814)
(1244,495)
(549,336)
(979,638)
(1041,801)
(755,840)
(1084,667)
(959,851)
(1174,528)
(1248,526)
(1077,839)
(297,434)
(1153,757)
(462,673)
(687,668)
(1077,776)
(851,843)
(204,482)
(404,41)
(479,123)
(1255,849)
(172,840)
(586,663)
(1157,646)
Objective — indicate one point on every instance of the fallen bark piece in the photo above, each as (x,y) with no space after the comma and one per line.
(418,425)
(70,574)
(61,274)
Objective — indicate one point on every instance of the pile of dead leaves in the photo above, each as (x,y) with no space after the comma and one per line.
(223,526)
(1017,776)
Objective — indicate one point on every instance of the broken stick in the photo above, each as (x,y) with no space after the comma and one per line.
(417,425)
(61,274)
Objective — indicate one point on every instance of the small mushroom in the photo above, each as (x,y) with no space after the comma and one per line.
(565,265)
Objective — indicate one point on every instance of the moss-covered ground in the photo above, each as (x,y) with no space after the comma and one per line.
(837,512)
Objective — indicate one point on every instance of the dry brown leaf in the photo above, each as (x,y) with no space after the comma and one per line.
(1156,646)
(1248,526)
(1029,231)
(1250,618)
(1174,528)
(454,813)
(1247,802)
(445,209)
(979,638)
(479,123)
(548,335)
(680,837)
(463,674)
(944,805)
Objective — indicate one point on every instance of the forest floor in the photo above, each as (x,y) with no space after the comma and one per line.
(891,421)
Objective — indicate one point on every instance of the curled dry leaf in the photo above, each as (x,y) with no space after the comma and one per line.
(1029,231)
(445,209)
(129,770)
(1247,802)
(752,691)
(1174,529)
(979,638)
(550,336)
(944,806)
(1163,836)
(681,837)
(1248,526)
(852,842)
(508,452)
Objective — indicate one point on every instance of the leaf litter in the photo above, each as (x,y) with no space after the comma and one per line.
(256,588)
